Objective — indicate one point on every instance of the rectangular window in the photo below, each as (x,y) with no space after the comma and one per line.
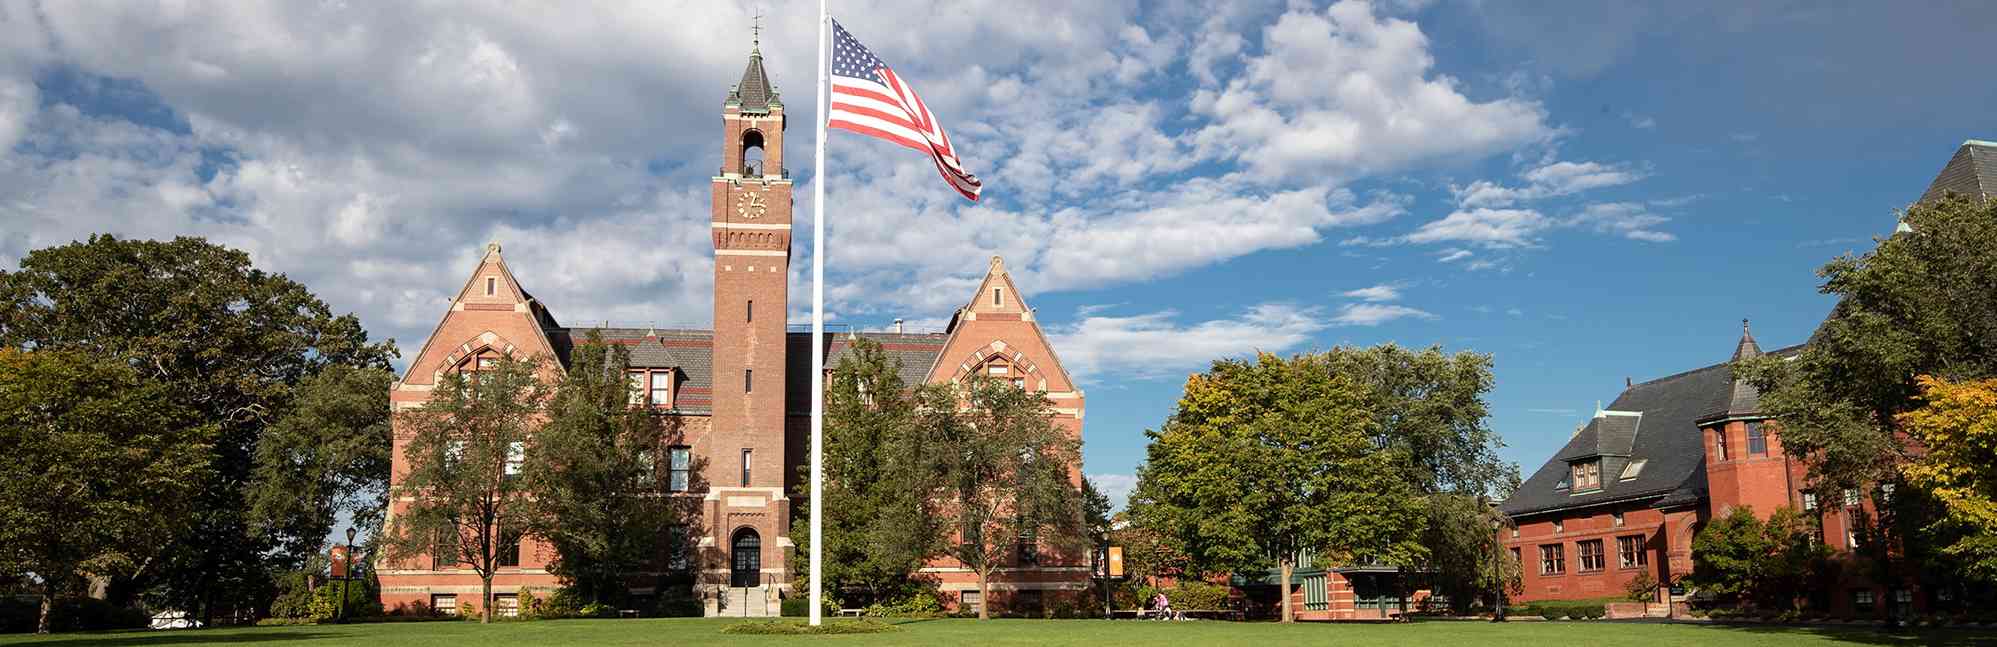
(637,388)
(444,551)
(506,605)
(1029,551)
(1720,443)
(1850,497)
(1810,501)
(509,548)
(748,381)
(1618,519)
(1587,475)
(516,454)
(445,604)
(749,312)
(970,602)
(747,455)
(997,300)
(648,468)
(1518,558)
(662,384)
(1862,601)
(1592,558)
(1903,602)
(1757,441)
(677,559)
(1850,532)
(681,468)
(1559,526)
(1886,494)
(491,286)
(1630,552)
(1552,561)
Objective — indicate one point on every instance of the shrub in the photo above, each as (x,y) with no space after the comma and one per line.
(564,603)
(1551,613)
(921,603)
(787,628)
(91,614)
(687,606)
(18,614)
(285,622)
(597,610)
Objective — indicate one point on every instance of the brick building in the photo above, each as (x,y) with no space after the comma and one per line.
(1632,485)
(737,396)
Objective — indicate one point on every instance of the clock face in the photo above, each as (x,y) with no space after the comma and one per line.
(751,207)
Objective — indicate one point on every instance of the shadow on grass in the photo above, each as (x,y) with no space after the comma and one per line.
(1871,635)
(183,637)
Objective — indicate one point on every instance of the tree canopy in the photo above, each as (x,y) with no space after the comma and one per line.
(883,527)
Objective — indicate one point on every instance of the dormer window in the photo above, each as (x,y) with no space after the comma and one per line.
(1634,468)
(651,387)
(1586,475)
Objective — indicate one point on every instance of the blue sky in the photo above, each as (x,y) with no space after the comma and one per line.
(1587,192)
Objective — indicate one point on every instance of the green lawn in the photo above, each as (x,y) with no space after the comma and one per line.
(1027,632)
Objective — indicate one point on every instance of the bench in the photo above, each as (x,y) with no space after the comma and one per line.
(852,613)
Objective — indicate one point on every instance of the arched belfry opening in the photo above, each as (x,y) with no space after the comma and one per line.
(752,153)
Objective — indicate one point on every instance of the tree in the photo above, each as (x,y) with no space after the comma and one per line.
(1429,408)
(98,465)
(1740,557)
(883,526)
(1923,302)
(1264,461)
(1957,425)
(230,344)
(467,500)
(1006,471)
(598,497)
(328,455)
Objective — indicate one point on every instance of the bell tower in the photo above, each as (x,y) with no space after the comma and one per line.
(747,510)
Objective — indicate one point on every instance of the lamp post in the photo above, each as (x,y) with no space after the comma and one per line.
(1497,570)
(349,556)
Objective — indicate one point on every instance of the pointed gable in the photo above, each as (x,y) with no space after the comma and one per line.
(997,321)
(1972,172)
(490,310)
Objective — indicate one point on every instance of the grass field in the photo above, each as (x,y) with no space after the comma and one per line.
(1029,632)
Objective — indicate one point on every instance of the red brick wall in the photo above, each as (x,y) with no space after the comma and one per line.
(1579,526)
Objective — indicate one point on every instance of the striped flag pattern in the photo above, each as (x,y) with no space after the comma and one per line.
(870,99)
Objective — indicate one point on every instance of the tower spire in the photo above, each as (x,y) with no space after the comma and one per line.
(1747,347)
(756,34)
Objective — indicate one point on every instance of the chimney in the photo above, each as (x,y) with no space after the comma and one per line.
(897,326)
(1627,383)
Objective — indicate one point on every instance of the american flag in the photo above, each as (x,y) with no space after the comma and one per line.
(870,99)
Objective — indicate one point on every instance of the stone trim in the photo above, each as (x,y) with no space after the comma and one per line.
(750,252)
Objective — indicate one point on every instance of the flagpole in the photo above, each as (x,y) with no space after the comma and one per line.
(818,329)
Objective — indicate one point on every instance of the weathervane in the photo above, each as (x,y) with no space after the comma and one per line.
(756,31)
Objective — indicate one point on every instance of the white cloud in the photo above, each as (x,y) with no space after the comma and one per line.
(1344,93)
(1452,255)
(1626,219)
(1551,180)
(1643,122)
(1156,345)
(1374,314)
(1382,292)
(1115,486)
(1488,227)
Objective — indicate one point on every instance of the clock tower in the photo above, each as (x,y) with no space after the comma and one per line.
(747,507)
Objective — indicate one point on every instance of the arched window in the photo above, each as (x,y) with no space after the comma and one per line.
(1001,368)
(752,153)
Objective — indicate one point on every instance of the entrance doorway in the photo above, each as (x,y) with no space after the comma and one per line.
(747,551)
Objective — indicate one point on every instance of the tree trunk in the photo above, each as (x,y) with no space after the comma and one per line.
(1289,610)
(984,596)
(485,607)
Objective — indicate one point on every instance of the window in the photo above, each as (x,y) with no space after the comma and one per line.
(1515,532)
(1630,552)
(509,548)
(1850,532)
(748,381)
(1566,480)
(1861,600)
(637,388)
(506,605)
(1634,468)
(1850,497)
(676,549)
(454,451)
(1757,441)
(445,604)
(516,454)
(1029,551)
(1903,602)
(970,602)
(1587,475)
(662,388)
(1618,516)
(998,298)
(1516,557)
(1720,443)
(1559,526)
(444,551)
(1592,558)
(1551,560)
(749,312)
(648,467)
(747,454)
(680,471)
(1886,494)
(1810,501)
(491,286)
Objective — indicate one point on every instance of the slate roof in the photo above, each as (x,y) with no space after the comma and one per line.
(755,94)
(691,352)
(1666,437)
(915,351)
(1972,172)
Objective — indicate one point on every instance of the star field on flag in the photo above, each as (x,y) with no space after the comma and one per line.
(870,99)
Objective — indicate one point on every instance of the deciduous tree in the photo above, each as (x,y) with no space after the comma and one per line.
(466,447)
(1957,425)
(881,524)
(98,465)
